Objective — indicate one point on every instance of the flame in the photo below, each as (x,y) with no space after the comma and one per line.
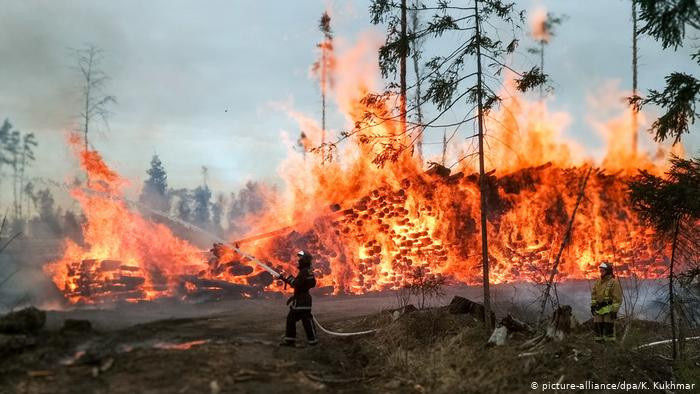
(370,228)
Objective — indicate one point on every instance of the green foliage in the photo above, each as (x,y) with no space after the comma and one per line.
(448,78)
(17,151)
(662,203)
(678,99)
(666,20)
(325,25)
(202,204)
(249,200)
(424,286)
(157,181)
(530,79)
(155,188)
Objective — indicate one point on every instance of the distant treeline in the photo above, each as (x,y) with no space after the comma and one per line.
(220,214)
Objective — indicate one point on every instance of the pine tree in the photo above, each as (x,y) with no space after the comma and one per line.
(26,158)
(183,206)
(324,67)
(449,84)
(5,132)
(13,148)
(666,21)
(155,188)
(47,211)
(202,206)
(671,206)
(543,35)
(217,213)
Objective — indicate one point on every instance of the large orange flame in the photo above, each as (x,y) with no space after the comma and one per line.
(369,227)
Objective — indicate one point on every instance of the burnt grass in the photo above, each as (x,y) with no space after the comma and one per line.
(427,350)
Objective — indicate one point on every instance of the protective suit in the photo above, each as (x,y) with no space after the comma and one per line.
(300,303)
(606,299)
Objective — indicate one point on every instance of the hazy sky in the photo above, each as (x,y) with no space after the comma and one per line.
(195,80)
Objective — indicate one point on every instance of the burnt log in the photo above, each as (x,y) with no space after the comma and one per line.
(219,288)
(130,282)
(438,169)
(110,265)
(461,305)
(240,270)
(261,280)
(26,321)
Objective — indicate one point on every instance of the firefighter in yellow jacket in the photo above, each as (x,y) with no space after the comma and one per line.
(606,298)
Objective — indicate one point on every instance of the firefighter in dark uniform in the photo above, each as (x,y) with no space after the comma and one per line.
(300,302)
(606,299)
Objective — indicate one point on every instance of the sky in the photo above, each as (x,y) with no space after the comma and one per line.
(199,82)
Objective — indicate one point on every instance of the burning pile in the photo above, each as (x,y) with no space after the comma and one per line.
(369,227)
(367,244)
(125,256)
(430,221)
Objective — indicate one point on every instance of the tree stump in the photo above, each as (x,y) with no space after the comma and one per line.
(499,336)
(561,324)
(506,327)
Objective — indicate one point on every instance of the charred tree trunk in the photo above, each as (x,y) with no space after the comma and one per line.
(482,177)
(671,299)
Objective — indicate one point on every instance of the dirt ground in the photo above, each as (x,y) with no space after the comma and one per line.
(222,347)
(232,347)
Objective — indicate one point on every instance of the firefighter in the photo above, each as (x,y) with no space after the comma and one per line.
(300,302)
(606,298)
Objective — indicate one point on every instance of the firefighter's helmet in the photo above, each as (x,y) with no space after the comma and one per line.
(304,258)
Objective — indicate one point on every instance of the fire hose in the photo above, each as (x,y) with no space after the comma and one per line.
(342,334)
(279,275)
(253,259)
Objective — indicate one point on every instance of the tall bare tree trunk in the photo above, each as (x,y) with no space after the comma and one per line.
(635,125)
(419,113)
(671,299)
(542,42)
(482,176)
(402,71)
(323,100)
(15,177)
(444,147)
(86,118)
